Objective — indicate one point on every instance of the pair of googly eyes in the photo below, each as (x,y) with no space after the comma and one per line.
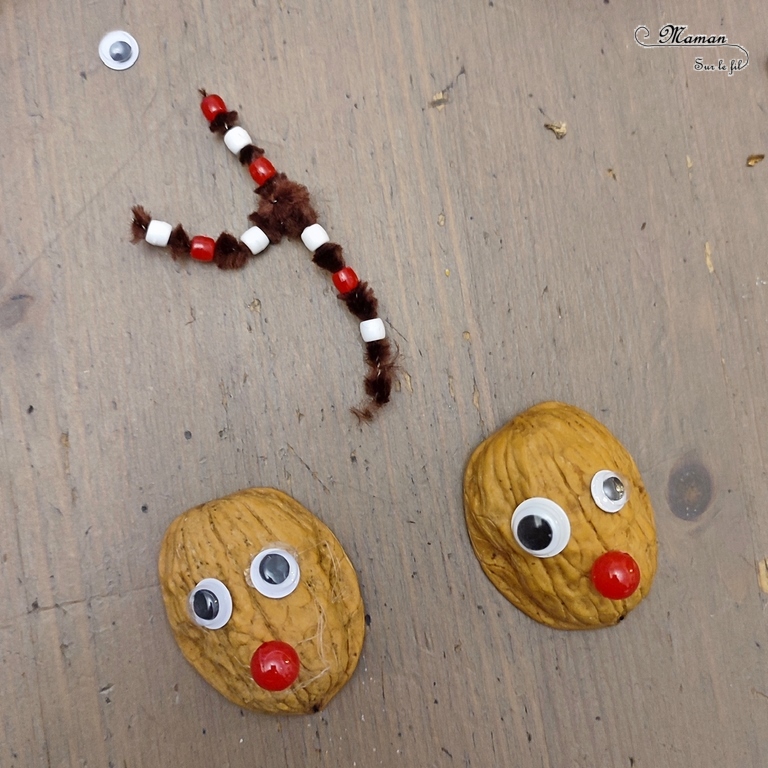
(274,573)
(541,527)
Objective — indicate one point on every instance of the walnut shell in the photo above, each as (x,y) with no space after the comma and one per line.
(322,619)
(553,450)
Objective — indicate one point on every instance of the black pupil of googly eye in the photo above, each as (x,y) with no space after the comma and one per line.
(613,488)
(534,533)
(120,51)
(205,605)
(274,568)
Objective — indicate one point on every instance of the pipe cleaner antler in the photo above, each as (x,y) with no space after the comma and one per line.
(284,209)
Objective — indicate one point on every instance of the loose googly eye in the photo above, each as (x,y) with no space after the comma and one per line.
(210,604)
(609,491)
(541,527)
(275,572)
(118,50)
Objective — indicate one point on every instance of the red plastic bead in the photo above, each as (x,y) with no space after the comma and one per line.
(261,170)
(201,248)
(616,575)
(345,280)
(212,105)
(275,665)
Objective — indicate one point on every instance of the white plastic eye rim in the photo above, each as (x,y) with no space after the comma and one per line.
(598,494)
(275,591)
(554,514)
(225,604)
(118,36)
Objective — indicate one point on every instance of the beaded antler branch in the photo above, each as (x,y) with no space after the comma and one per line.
(284,209)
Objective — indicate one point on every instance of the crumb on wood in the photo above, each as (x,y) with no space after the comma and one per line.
(440,99)
(762,574)
(708,257)
(753,160)
(559,129)
(611,173)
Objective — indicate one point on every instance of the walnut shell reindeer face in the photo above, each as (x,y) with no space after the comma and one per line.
(559,518)
(263,601)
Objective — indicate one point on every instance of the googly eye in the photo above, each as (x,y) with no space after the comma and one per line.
(609,491)
(118,50)
(210,604)
(275,572)
(541,527)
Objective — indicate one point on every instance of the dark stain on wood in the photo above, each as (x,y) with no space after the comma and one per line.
(13,310)
(689,490)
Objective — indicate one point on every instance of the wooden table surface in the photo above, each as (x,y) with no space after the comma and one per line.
(621,268)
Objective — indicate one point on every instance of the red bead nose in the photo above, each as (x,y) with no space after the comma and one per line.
(275,665)
(615,575)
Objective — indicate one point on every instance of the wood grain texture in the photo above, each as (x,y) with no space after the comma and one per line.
(620,269)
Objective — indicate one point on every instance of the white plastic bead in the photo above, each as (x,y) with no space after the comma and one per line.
(236,138)
(314,236)
(255,239)
(158,233)
(373,330)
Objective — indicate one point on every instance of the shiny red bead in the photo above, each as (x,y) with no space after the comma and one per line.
(261,170)
(615,575)
(275,665)
(212,105)
(345,280)
(201,248)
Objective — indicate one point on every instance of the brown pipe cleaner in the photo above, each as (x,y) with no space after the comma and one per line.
(228,251)
(285,210)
